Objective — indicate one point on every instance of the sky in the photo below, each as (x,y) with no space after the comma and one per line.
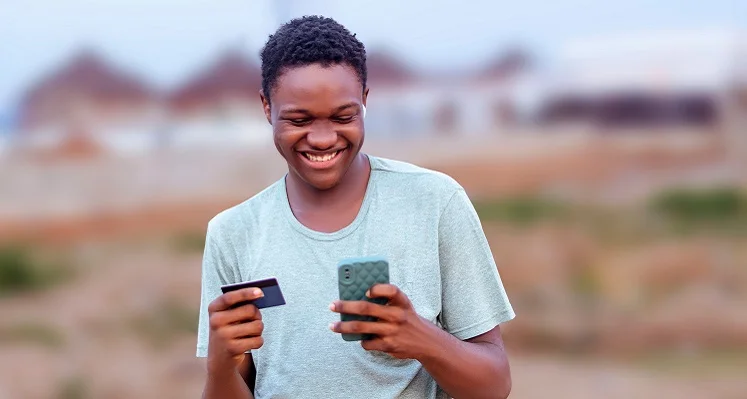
(165,41)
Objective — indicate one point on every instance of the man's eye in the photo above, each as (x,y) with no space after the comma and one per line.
(301,121)
(343,119)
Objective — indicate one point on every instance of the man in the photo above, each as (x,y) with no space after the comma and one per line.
(439,333)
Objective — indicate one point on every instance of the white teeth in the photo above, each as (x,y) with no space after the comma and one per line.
(320,158)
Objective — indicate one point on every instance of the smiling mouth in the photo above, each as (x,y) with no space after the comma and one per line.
(326,157)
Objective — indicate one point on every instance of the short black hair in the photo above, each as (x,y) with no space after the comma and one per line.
(310,40)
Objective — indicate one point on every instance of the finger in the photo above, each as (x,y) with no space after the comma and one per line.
(242,314)
(376,344)
(245,330)
(365,308)
(395,296)
(243,345)
(361,327)
(383,344)
(382,291)
(239,297)
(230,299)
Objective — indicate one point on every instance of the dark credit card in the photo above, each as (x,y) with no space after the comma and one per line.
(269,286)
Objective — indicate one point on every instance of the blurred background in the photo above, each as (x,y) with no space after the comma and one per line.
(604,146)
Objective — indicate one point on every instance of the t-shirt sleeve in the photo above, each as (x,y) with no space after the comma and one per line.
(217,270)
(474,300)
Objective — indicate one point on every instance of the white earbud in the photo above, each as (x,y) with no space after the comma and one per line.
(364,111)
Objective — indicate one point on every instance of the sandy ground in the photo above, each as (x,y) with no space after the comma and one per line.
(105,356)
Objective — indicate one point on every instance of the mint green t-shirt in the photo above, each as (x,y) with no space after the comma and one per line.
(421,220)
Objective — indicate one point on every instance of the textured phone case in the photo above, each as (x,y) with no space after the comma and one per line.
(363,273)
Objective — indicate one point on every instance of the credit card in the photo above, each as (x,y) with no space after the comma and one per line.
(269,286)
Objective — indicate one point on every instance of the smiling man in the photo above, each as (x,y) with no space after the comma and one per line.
(437,336)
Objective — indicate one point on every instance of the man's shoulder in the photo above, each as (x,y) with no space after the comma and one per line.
(416,178)
(246,214)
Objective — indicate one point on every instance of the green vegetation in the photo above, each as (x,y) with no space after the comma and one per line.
(32,333)
(168,320)
(584,283)
(721,362)
(22,272)
(189,242)
(73,388)
(686,210)
(521,211)
(672,211)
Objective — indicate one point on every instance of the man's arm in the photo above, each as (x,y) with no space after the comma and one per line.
(231,383)
(235,329)
(475,368)
(470,360)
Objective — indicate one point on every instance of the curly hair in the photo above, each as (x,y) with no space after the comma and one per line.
(310,40)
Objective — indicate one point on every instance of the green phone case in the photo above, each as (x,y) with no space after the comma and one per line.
(354,277)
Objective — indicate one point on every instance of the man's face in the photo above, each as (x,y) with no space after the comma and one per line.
(317,121)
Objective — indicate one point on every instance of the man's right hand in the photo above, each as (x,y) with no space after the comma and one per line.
(233,330)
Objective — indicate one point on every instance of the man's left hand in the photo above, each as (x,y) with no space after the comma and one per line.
(399,330)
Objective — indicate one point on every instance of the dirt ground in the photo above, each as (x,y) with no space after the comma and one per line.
(104,355)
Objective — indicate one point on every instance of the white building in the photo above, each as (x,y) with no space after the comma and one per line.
(466,104)
(681,76)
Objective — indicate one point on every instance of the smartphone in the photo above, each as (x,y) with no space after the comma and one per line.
(269,286)
(354,277)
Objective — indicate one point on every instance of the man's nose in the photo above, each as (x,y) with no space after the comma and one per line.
(321,137)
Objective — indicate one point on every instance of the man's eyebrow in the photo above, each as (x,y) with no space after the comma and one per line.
(346,106)
(294,111)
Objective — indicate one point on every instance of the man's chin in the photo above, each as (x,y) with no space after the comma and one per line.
(322,183)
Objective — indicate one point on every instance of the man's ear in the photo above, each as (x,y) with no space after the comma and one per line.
(365,98)
(266,106)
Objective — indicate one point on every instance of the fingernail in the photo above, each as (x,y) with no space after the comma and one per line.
(332,326)
(258,293)
(368,293)
(332,306)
